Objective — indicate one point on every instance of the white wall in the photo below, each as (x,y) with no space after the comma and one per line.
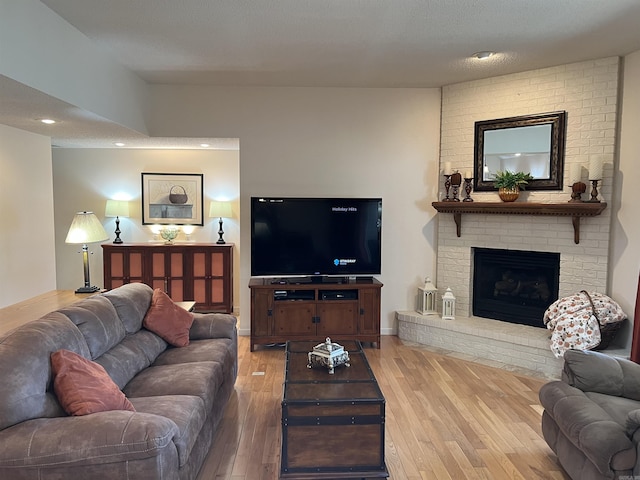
(625,246)
(84,179)
(43,51)
(27,261)
(327,142)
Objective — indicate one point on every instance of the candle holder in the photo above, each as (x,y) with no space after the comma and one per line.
(594,192)
(467,190)
(577,189)
(456,180)
(447,186)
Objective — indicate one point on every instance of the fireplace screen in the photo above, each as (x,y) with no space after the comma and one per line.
(514,286)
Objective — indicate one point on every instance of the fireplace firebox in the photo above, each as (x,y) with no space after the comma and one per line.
(513,285)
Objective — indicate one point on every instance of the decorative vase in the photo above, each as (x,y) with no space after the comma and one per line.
(169,234)
(508,194)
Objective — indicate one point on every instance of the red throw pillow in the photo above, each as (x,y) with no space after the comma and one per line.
(83,386)
(167,320)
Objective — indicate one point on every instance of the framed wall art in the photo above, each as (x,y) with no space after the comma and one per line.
(172,199)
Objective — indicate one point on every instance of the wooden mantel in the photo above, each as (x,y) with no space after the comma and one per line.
(575,210)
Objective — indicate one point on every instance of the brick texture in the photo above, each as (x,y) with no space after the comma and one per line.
(588,92)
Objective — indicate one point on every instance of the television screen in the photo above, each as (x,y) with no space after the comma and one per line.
(316,236)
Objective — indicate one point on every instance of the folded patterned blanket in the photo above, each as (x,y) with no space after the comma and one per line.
(575,320)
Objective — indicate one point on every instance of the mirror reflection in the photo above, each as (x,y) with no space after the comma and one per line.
(520,149)
(531,144)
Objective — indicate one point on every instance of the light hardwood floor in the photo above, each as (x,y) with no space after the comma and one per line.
(446,418)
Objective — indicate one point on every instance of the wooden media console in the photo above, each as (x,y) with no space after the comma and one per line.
(298,309)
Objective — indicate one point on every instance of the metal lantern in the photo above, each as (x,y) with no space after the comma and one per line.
(427,298)
(448,305)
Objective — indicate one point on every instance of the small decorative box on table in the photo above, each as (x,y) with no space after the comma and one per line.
(332,425)
(329,355)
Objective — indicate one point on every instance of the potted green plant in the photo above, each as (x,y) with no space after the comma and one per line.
(510,183)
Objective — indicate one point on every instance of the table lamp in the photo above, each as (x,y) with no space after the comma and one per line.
(220,209)
(117,208)
(86,228)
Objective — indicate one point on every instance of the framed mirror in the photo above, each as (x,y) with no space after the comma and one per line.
(530,143)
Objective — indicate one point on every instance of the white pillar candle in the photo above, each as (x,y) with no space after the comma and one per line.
(467,174)
(595,167)
(575,173)
(447,168)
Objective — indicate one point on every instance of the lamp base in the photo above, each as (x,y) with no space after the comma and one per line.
(88,289)
(220,233)
(117,232)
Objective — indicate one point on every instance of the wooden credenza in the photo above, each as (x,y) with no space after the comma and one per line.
(199,272)
(313,311)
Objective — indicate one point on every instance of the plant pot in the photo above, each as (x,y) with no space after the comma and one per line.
(508,194)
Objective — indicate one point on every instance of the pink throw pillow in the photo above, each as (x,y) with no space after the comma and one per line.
(167,320)
(83,386)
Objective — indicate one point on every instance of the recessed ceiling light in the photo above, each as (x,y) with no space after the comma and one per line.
(204,145)
(119,144)
(483,55)
(48,121)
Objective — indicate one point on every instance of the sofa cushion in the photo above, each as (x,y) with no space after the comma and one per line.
(98,321)
(25,367)
(216,349)
(136,352)
(83,386)
(131,301)
(597,372)
(200,379)
(618,408)
(168,320)
(104,437)
(186,411)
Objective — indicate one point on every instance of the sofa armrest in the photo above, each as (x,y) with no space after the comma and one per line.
(589,427)
(213,325)
(597,372)
(105,437)
(633,423)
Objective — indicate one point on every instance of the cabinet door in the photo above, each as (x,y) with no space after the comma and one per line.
(369,303)
(201,278)
(261,313)
(294,318)
(337,318)
(212,279)
(167,272)
(122,265)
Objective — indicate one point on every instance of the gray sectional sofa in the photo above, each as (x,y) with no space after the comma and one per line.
(591,417)
(179,394)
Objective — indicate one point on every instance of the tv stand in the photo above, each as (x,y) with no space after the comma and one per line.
(319,279)
(296,308)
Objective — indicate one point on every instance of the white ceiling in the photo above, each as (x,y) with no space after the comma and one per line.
(351,43)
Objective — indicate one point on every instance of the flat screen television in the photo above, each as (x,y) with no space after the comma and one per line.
(316,236)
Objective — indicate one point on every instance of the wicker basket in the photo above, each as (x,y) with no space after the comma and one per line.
(177,196)
(607,333)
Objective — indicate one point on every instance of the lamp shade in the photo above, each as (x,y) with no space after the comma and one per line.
(86,228)
(116,208)
(220,209)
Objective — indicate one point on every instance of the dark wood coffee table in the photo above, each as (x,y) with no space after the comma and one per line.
(332,425)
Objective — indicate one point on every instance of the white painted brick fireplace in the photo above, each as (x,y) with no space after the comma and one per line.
(588,92)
